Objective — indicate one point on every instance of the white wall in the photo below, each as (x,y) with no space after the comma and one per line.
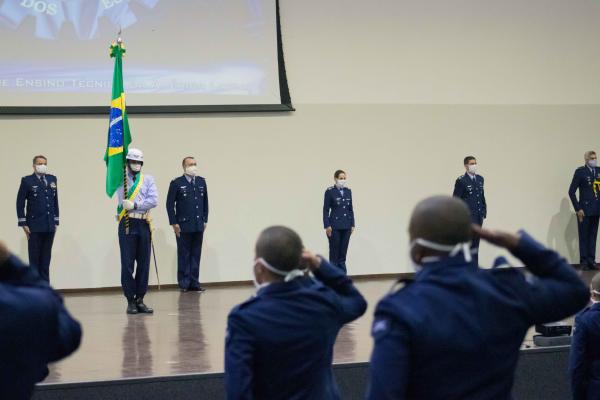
(353,84)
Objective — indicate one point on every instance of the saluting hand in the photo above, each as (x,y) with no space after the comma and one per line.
(4,253)
(506,240)
(27,231)
(311,260)
(177,229)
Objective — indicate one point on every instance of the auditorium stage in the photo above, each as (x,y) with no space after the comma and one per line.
(184,336)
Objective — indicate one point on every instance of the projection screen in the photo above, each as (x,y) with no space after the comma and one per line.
(184,55)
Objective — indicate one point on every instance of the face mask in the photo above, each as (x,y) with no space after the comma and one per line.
(135,167)
(597,293)
(287,275)
(341,183)
(593,163)
(452,250)
(257,285)
(191,170)
(472,168)
(41,169)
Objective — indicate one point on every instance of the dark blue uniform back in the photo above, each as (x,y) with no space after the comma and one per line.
(187,206)
(338,213)
(280,343)
(584,365)
(37,208)
(35,329)
(589,202)
(456,331)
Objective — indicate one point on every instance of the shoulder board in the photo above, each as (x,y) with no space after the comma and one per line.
(330,187)
(400,284)
(580,168)
(460,177)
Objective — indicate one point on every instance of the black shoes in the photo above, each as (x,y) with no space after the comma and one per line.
(137,306)
(142,308)
(199,289)
(131,307)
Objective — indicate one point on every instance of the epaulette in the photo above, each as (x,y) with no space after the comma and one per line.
(400,284)
(460,177)
(330,187)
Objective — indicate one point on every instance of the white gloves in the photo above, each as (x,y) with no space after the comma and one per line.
(128,205)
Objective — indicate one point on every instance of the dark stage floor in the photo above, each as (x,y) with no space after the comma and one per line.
(185,334)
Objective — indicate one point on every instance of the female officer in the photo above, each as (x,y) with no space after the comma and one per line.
(338,219)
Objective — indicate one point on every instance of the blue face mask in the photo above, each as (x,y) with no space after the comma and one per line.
(592,163)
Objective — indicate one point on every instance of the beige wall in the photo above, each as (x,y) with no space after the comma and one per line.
(353,112)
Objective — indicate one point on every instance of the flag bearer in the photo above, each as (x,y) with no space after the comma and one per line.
(135,242)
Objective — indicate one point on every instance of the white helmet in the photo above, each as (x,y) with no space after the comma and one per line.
(135,155)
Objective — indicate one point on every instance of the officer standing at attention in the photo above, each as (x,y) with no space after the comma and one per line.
(37,213)
(469,187)
(279,344)
(135,245)
(36,328)
(587,208)
(187,207)
(455,331)
(338,219)
(584,365)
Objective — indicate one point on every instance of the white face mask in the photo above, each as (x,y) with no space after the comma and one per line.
(135,167)
(451,249)
(341,183)
(593,163)
(287,275)
(191,170)
(41,169)
(472,168)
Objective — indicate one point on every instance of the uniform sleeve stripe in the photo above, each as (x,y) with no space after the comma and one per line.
(22,219)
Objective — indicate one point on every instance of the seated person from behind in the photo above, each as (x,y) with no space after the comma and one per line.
(35,328)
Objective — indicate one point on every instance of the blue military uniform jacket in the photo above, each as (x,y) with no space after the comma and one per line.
(280,343)
(589,198)
(338,210)
(187,204)
(35,329)
(37,204)
(584,364)
(456,331)
(471,191)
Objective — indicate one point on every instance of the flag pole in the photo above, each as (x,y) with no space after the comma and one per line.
(125,188)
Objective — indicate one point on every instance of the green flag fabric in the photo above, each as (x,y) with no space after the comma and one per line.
(119,136)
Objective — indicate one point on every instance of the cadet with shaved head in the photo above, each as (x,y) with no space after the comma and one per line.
(280,342)
(456,330)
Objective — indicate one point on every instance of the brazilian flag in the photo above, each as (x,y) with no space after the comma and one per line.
(119,136)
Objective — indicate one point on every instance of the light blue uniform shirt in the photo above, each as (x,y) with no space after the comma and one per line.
(147,197)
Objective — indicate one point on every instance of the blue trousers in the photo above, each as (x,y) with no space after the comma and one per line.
(588,232)
(135,258)
(338,247)
(476,219)
(40,252)
(189,251)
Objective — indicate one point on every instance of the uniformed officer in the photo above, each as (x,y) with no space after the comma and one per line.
(187,207)
(135,244)
(469,187)
(338,219)
(36,328)
(587,208)
(455,332)
(279,344)
(37,212)
(584,363)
